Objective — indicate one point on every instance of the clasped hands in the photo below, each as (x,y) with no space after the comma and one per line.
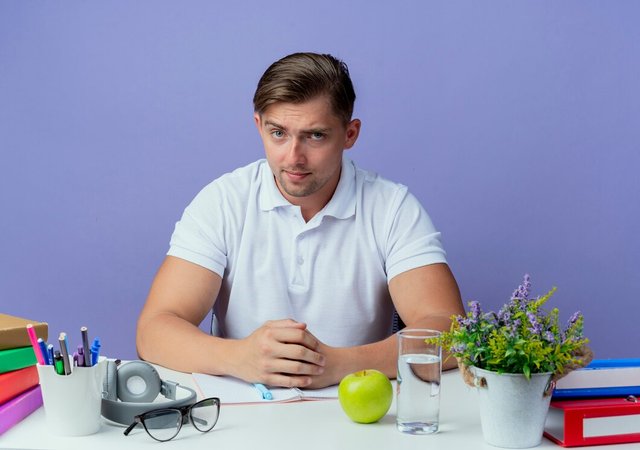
(284,353)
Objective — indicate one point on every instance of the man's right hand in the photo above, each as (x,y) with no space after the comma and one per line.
(279,353)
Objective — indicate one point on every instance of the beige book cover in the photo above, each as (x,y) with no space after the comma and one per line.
(13,331)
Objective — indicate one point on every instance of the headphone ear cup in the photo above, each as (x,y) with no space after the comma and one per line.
(109,385)
(138,382)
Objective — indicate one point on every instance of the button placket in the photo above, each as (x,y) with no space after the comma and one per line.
(299,255)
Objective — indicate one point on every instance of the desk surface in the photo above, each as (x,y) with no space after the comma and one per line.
(309,425)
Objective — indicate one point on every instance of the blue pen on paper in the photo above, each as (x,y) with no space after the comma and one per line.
(264,392)
(95,352)
(43,349)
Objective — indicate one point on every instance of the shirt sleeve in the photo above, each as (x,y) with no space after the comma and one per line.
(198,236)
(412,241)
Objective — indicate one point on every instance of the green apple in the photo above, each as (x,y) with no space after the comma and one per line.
(365,396)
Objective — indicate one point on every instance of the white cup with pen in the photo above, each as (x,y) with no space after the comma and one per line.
(71,387)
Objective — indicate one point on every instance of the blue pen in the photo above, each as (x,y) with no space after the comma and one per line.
(266,393)
(50,354)
(95,353)
(43,349)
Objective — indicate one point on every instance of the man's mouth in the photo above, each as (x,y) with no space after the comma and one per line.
(295,175)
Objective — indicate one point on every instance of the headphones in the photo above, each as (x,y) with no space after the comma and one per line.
(131,389)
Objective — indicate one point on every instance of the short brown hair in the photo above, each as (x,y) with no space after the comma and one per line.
(300,77)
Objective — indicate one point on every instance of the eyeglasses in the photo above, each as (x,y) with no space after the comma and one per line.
(165,424)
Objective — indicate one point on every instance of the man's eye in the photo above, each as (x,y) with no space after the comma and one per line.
(317,136)
(278,134)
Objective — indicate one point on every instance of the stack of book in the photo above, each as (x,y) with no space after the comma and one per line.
(20,393)
(598,404)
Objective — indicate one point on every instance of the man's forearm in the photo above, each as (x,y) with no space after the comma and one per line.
(381,355)
(173,342)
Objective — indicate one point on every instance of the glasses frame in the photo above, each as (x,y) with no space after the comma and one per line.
(185,412)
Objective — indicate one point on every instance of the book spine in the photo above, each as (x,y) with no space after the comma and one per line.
(613,363)
(16,358)
(575,434)
(20,407)
(619,391)
(14,336)
(16,382)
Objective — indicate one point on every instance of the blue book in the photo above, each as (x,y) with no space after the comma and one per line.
(601,378)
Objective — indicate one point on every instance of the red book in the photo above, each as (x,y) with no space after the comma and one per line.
(16,382)
(597,421)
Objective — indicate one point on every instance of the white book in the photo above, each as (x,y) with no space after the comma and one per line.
(600,378)
(234,391)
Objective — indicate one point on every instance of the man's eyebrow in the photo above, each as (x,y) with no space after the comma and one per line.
(321,129)
(317,130)
(269,123)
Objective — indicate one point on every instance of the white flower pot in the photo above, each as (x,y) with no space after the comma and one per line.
(512,408)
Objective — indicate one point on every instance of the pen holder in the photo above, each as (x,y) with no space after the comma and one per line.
(72,402)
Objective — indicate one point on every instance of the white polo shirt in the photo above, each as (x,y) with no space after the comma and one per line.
(331,272)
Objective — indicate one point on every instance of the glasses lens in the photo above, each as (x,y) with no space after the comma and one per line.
(162,424)
(204,414)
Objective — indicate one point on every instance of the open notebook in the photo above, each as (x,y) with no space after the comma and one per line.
(232,390)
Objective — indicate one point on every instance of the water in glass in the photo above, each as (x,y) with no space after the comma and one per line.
(418,393)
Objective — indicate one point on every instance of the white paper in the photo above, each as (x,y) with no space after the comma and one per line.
(232,390)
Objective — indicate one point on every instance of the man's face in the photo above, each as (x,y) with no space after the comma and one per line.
(304,144)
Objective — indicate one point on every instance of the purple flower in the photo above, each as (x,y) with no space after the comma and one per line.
(513,328)
(504,315)
(472,317)
(549,337)
(522,293)
(536,327)
(491,318)
(475,310)
(459,348)
(574,318)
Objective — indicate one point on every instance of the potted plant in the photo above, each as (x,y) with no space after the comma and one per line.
(513,358)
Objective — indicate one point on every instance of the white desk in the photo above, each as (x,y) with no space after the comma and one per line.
(307,425)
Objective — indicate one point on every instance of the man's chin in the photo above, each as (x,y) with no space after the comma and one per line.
(297,190)
(298,193)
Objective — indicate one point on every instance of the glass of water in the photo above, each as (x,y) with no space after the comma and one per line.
(418,392)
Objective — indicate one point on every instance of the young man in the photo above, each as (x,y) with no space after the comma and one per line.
(302,257)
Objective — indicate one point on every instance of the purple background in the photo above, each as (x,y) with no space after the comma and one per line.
(515,123)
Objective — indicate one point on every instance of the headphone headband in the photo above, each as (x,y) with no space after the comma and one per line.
(131,404)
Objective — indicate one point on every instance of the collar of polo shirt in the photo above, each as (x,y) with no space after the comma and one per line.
(341,206)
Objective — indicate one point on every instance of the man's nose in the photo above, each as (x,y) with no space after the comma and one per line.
(297,151)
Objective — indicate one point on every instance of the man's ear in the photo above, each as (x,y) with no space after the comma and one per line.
(353,131)
(257,119)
